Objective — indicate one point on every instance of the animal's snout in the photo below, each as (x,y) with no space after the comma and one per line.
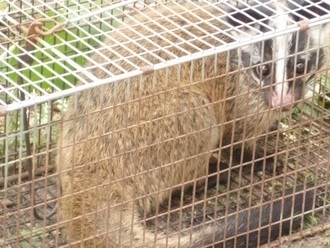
(282,101)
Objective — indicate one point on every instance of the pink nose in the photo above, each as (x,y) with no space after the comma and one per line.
(284,102)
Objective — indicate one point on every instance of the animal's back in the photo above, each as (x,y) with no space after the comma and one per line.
(141,135)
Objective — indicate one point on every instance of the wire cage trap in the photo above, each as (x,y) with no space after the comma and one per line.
(154,124)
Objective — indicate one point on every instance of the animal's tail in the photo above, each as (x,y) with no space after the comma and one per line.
(260,224)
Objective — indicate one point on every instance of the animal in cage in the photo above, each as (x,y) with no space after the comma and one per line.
(126,147)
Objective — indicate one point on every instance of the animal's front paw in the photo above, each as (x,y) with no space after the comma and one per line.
(270,162)
(218,172)
(258,160)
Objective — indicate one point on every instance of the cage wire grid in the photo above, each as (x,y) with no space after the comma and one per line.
(85,25)
(86,17)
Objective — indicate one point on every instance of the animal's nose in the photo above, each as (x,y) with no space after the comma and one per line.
(284,101)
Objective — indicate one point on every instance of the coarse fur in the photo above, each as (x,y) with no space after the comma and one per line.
(127,146)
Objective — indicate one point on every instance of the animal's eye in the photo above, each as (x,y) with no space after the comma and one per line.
(263,70)
(300,67)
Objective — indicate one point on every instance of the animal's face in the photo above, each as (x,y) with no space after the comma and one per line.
(282,64)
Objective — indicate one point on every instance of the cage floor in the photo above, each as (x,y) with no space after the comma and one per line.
(306,156)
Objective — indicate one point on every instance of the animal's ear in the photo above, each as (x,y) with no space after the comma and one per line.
(311,8)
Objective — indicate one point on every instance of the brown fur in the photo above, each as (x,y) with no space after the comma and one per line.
(126,146)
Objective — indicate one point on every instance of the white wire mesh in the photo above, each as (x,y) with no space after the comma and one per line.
(59,63)
(94,20)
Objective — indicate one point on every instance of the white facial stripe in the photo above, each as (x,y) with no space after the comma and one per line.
(281,53)
(281,46)
(281,85)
